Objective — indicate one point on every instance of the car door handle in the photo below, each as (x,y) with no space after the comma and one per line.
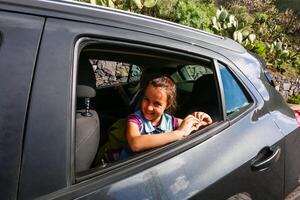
(265,158)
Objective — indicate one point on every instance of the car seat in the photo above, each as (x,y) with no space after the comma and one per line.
(204,96)
(87,120)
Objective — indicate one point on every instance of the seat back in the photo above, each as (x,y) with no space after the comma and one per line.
(205,96)
(87,120)
(87,139)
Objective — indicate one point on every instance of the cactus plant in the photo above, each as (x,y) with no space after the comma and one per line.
(126,5)
(149,3)
(226,24)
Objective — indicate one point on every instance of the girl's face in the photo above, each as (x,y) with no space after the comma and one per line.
(154,103)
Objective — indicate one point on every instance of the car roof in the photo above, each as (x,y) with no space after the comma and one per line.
(83,12)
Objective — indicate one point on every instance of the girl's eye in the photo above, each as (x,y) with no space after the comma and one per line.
(145,99)
(156,104)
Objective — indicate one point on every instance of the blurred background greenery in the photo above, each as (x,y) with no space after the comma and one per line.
(269,28)
(291,4)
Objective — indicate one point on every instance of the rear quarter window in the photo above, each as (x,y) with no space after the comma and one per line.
(236,97)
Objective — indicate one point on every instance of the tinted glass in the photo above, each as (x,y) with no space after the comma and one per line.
(235,98)
(134,74)
(199,91)
(109,73)
(196,71)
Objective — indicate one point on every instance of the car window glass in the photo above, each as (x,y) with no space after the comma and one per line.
(200,82)
(109,73)
(235,98)
(134,74)
(193,72)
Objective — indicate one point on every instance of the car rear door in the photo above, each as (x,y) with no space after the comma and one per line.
(227,160)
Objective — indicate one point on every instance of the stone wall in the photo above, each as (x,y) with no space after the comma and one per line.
(288,87)
(110,73)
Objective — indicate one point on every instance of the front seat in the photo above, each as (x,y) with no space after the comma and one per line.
(205,96)
(87,120)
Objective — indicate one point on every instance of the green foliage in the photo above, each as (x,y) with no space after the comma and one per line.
(272,29)
(286,4)
(241,14)
(257,24)
(194,14)
(130,5)
(289,21)
(149,3)
(261,17)
(296,63)
(228,25)
(85,1)
(166,9)
(258,47)
(107,3)
(206,1)
(294,100)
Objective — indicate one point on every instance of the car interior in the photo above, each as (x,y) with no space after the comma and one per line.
(108,82)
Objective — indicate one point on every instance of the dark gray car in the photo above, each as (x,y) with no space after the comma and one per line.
(70,72)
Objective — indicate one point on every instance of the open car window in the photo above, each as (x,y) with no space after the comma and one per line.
(115,74)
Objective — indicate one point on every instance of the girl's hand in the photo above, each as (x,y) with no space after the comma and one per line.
(192,123)
(204,119)
(188,125)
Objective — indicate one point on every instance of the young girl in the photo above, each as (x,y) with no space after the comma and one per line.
(151,126)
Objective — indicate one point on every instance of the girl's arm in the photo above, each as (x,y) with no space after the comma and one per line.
(138,142)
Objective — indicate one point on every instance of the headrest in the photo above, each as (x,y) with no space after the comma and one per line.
(152,73)
(84,91)
(205,88)
(86,75)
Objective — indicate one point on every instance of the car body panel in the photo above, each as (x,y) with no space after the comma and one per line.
(200,167)
(215,164)
(292,162)
(49,119)
(16,75)
(196,184)
(281,114)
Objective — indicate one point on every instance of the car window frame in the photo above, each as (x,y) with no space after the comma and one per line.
(151,157)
